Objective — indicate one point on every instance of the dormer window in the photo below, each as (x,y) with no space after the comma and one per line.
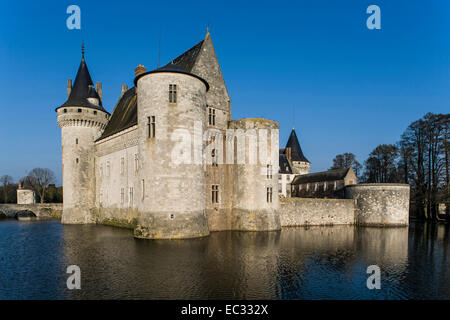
(172,93)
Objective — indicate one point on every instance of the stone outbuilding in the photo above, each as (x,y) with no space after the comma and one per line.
(325,184)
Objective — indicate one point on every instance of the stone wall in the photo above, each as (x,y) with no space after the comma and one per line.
(41,210)
(380,204)
(305,212)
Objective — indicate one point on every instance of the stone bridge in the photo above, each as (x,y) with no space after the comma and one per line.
(41,210)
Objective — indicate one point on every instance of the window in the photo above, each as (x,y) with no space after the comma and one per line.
(269,194)
(122,195)
(76,141)
(279,177)
(65,110)
(143,189)
(77,160)
(95,112)
(214,157)
(131,198)
(215,193)
(280,188)
(79,110)
(122,165)
(136,163)
(269,171)
(172,93)
(212,117)
(151,126)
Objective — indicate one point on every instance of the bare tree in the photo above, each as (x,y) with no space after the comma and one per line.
(347,160)
(5,180)
(39,179)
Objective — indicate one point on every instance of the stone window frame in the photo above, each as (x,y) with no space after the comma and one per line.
(269,194)
(122,196)
(151,123)
(122,165)
(173,89)
(131,197)
(214,159)
(269,173)
(211,116)
(215,193)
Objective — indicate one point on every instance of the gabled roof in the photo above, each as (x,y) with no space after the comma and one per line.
(296,150)
(187,59)
(82,89)
(285,166)
(124,115)
(330,175)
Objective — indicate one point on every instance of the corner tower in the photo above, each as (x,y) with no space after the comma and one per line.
(82,119)
(171,106)
(294,153)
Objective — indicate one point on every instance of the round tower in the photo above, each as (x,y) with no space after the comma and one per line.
(82,119)
(255,194)
(171,121)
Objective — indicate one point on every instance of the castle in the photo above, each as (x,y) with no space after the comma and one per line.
(169,161)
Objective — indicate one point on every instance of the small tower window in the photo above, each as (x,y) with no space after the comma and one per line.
(65,110)
(122,195)
(131,199)
(77,160)
(172,93)
(79,110)
(269,171)
(95,112)
(215,193)
(143,189)
(76,141)
(214,157)
(212,116)
(122,165)
(151,127)
(269,194)
(136,163)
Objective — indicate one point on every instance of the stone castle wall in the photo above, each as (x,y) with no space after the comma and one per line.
(380,204)
(315,212)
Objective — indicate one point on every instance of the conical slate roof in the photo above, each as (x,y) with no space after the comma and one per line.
(82,89)
(296,150)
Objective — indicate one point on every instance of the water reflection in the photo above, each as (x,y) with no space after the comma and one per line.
(295,263)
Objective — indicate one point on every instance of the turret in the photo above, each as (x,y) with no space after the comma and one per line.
(294,153)
(82,119)
(171,119)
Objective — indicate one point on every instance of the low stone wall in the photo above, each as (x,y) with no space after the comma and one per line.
(41,210)
(316,212)
(380,204)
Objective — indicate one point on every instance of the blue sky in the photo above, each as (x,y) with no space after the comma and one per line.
(352,88)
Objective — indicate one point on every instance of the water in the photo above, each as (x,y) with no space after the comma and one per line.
(296,263)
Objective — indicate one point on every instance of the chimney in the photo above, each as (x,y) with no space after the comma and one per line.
(99,89)
(288,153)
(139,70)
(124,89)
(69,87)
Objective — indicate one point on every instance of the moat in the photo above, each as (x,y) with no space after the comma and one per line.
(295,263)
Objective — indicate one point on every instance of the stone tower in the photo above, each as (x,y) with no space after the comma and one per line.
(82,119)
(171,120)
(294,153)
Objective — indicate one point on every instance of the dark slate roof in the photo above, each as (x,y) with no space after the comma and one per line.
(124,115)
(330,175)
(187,59)
(82,89)
(170,67)
(285,166)
(296,150)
